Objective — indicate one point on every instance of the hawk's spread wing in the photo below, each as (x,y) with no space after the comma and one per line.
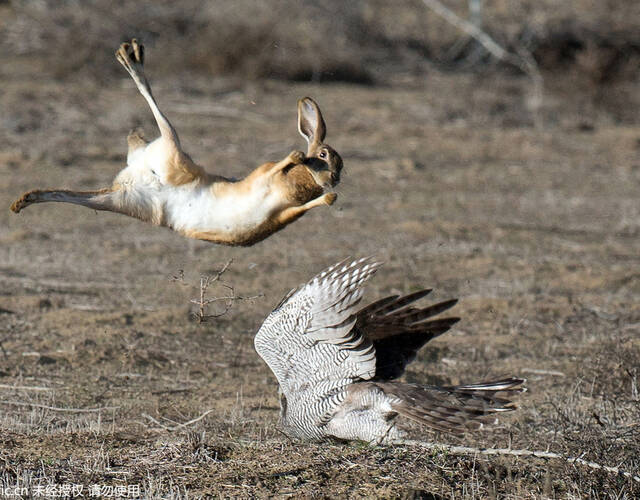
(398,330)
(309,341)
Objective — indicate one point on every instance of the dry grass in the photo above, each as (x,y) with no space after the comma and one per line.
(445,180)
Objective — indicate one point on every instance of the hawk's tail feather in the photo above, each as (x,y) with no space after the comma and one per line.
(454,409)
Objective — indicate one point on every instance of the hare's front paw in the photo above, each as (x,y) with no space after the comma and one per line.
(330,198)
(297,157)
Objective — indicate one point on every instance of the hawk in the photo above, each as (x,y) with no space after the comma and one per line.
(336,363)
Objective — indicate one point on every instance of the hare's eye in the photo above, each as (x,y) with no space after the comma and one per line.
(322,154)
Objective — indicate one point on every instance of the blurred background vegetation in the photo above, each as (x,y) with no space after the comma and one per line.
(586,53)
(373,42)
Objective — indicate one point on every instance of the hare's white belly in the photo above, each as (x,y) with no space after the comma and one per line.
(192,206)
(199,209)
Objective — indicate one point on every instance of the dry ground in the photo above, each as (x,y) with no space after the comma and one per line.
(446,179)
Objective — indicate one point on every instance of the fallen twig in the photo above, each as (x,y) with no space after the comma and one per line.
(179,426)
(64,286)
(149,417)
(466,450)
(25,387)
(53,408)
(536,371)
(193,421)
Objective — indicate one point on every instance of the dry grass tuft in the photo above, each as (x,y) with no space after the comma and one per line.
(446,180)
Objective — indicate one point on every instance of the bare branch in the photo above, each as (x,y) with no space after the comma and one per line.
(227,299)
(522,60)
(470,29)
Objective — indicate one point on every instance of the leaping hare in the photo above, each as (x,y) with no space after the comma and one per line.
(161,184)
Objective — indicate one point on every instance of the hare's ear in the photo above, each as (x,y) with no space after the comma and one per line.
(310,122)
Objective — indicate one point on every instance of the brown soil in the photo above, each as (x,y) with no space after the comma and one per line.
(446,179)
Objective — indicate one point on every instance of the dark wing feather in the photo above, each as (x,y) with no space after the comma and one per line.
(393,354)
(398,331)
(453,409)
(391,304)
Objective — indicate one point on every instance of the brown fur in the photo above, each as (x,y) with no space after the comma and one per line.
(136,140)
(297,182)
(300,185)
(183,170)
(246,239)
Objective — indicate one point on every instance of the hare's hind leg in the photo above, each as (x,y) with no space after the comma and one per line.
(131,56)
(180,169)
(98,200)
